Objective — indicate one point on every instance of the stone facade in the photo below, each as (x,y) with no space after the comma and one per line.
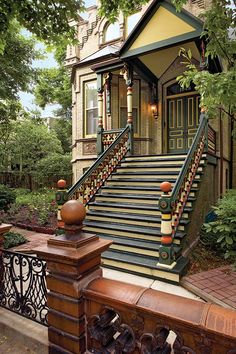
(150,137)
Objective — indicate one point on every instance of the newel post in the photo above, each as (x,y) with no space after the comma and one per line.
(166,251)
(73,260)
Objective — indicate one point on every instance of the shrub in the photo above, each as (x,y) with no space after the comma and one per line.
(224,228)
(12,239)
(7,197)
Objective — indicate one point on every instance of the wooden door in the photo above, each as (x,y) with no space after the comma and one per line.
(182,121)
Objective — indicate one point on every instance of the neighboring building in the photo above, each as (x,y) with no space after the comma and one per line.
(134,62)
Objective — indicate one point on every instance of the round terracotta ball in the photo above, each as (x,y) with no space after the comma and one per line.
(61,184)
(73,212)
(165,187)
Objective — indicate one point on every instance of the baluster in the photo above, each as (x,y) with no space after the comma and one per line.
(166,251)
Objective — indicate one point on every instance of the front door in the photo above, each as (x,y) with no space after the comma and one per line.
(182,121)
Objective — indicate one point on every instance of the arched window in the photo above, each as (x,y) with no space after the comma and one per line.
(112,32)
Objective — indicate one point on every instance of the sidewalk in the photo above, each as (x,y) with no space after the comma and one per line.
(215,285)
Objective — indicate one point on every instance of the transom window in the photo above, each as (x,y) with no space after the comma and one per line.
(90,108)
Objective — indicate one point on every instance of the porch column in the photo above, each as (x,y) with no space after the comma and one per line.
(100,129)
(128,76)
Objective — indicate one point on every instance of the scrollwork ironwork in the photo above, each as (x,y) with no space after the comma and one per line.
(23,285)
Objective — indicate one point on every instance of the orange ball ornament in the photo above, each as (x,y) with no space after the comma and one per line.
(165,187)
(73,212)
(61,184)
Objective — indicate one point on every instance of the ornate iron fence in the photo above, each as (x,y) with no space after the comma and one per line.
(23,285)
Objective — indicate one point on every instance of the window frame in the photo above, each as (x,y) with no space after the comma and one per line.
(85,110)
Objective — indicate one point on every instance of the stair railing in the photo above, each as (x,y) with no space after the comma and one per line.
(92,180)
(172,205)
(108,136)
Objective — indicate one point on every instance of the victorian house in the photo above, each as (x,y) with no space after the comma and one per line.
(134,127)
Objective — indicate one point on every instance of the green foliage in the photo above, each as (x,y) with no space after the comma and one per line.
(48,20)
(38,204)
(7,197)
(218,91)
(16,72)
(12,239)
(54,166)
(29,142)
(224,228)
(63,130)
(54,86)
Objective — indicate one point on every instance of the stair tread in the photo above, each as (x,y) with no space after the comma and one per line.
(149,262)
(137,196)
(130,206)
(131,216)
(146,173)
(146,244)
(129,228)
(146,188)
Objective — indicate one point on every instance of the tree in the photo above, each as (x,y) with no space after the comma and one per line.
(54,86)
(217,90)
(48,20)
(30,142)
(63,130)
(54,167)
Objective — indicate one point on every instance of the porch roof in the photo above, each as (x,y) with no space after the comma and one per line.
(155,42)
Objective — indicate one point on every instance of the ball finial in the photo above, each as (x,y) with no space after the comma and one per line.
(165,187)
(61,184)
(73,212)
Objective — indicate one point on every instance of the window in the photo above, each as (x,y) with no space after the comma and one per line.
(90,107)
(131,22)
(112,32)
(123,104)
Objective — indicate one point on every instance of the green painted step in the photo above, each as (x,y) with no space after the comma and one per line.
(137,219)
(137,246)
(138,208)
(144,266)
(148,233)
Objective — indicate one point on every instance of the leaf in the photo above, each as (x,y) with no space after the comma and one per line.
(229,240)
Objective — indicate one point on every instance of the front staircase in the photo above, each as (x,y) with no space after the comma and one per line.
(122,193)
(125,210)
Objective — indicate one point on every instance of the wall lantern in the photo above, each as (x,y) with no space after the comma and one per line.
(154,109)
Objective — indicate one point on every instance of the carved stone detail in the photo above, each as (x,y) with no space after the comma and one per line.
(89,148)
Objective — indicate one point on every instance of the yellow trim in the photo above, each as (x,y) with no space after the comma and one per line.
(163,25)
(182,94)
(166,216)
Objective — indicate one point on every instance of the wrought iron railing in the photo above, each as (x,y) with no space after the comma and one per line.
(23,285)
(182,187)
(98,173)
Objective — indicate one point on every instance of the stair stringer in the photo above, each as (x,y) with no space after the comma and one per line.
(206,196)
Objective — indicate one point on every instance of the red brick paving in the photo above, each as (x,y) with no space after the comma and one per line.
(216,285)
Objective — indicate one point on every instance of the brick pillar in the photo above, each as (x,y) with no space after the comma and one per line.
(73,260)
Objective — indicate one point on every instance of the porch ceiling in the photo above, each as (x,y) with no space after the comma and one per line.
(158,62)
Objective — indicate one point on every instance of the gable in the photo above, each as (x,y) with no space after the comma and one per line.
(162,27)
